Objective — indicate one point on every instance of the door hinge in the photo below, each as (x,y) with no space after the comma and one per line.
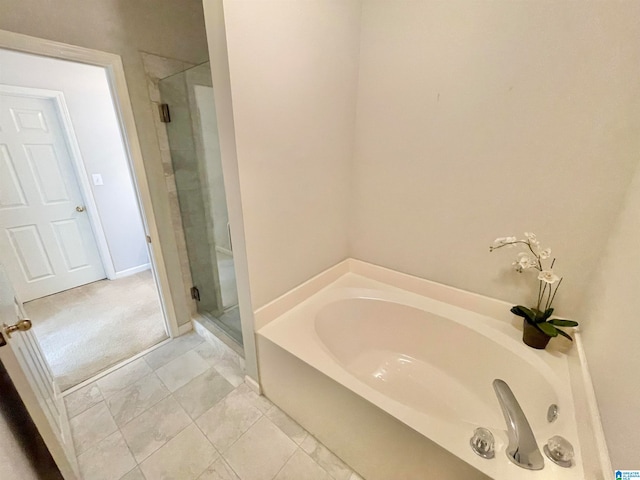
(195,294)
(165,115)
(148,239)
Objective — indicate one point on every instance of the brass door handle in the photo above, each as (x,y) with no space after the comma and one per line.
(80,209)
(21,326)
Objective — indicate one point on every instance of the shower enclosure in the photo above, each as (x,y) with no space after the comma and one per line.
(189,113)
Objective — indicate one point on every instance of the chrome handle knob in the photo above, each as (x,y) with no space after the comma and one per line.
(21,326)
(80,209)
(560,451)
(483,443)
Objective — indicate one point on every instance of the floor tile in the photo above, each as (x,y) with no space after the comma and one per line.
(219,470)
(243,363)
(184,457)
(136,398)
(228,419)
(301,466)
(108,460)
(91,426)
(202,393)
(123,377)
(215,352)
(172,350)
(285,423)
(148,432)
(231,371)
(257,439)
(261,452)
(244,393)
(182,370)
(135,474)
(82,399)
(326,459)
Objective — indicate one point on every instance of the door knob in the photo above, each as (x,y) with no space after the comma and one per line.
(21,326)
(80,209)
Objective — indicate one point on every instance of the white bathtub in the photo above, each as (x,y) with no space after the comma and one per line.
(427,363)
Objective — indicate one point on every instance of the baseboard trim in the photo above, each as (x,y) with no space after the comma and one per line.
(131,271)
(187,327)
(252,384)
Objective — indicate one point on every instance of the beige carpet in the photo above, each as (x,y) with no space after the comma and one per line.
(88,329)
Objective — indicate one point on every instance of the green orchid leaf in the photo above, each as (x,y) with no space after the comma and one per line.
(524,312)
(547,313)
(563,323)
(565,335)
(548,329)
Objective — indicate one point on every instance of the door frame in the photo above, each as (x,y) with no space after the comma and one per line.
(77,164)
(114,70)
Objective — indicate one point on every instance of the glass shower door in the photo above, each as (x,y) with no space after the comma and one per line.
(195,154)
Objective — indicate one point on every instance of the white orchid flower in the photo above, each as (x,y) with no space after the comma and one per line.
(524,261)
(531,257)
(548,276)
(532,240)
(504,240)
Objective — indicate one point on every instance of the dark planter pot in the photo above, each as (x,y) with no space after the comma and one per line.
(534,337)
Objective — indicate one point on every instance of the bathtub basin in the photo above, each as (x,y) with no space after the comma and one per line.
(427,363)
(434,365)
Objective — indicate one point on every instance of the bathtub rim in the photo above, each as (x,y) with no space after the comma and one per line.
(581,386)
(295,333)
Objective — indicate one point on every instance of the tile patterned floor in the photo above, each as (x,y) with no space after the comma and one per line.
(183,412)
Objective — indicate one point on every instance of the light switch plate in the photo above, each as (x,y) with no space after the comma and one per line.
(97,179)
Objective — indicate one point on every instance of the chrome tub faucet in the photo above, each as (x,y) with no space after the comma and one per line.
(522,449)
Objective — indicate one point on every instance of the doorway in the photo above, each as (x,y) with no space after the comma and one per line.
(49,244)
(73,240)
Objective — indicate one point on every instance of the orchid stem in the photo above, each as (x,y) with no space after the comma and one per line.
(554,293)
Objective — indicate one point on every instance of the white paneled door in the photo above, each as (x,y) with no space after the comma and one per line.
(46,241)
(21,356)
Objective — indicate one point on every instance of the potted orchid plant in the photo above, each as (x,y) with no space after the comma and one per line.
(538,326)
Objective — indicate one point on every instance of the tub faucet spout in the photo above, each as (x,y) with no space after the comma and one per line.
(522,449)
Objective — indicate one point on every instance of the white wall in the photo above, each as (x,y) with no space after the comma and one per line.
(613,331)
(484,119)
(293,67)
(473,120)
(169,28)
(87,95)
